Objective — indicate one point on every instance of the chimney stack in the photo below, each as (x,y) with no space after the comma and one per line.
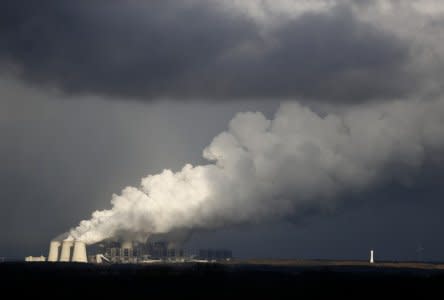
(54,247)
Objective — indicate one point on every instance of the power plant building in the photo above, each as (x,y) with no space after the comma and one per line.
(35,259)
(215,255)
(128,252)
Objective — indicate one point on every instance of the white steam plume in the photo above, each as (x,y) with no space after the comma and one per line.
(261,169)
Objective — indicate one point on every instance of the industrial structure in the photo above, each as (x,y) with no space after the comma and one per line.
(66,255)
(158,251)
(35,259)
(54,251)
(130,252)
(214,254)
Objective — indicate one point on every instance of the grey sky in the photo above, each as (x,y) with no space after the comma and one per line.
(93,97)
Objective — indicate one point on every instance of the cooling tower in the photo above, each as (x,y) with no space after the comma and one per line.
(54,251)
(66,251)
(79,253)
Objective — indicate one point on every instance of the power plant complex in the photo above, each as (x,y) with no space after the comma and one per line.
(127,252)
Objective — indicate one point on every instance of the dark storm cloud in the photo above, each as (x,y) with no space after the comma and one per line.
(330,56)
(197,49)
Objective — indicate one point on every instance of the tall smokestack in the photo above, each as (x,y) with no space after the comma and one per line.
(53,255)
(79,253)
(65,256)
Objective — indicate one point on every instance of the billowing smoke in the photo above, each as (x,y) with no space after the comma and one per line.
(261,169)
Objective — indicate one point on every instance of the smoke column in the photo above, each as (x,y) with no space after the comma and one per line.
(261,169)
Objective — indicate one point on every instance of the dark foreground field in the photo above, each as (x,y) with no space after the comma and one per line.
(215,281)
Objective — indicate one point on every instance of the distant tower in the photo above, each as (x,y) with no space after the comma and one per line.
(53,255)
(372,260)
(79,252)
(65,255)
(127,251)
